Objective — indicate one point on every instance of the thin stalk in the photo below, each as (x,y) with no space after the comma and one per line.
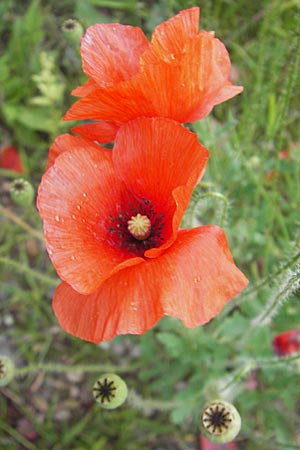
(62,368)
(26,270)
(18,221)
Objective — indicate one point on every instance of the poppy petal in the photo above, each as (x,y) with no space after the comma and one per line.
(191,84)
(10,159)
(192,281)
(174,162)
(76,197)
(198,275)
(99,131)
(169,38)
(118,104)
(63,143)
(123,304)
(87,88)
(111,52)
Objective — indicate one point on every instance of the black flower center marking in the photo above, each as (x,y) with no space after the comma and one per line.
(216,419)
(104,390)
(123,238)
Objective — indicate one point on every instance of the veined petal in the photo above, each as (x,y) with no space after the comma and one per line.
(63,143)
(169,38)
(111,52)
(87,88)
(199,275)
(76,199)
(192,280)
(156,157)
(125,303)
(99,131)
(189,85)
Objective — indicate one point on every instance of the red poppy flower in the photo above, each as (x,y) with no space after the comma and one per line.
(181,74)
(10,159)
(111,223)
(286,343)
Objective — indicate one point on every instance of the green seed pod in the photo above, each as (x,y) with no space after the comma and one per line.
(73,31)
(110,391)
(21,192)
(220,421)
(7,370)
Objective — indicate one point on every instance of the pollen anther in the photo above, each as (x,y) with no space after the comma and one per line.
(139,227)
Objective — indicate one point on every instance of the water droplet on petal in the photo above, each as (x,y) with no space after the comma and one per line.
(78,207)
(57,218)
(133,306)
(84,195)
(73,216)
(197,279)
(73,258)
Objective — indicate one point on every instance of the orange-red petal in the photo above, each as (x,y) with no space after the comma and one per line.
(163,162)
(111,52)
(198,275)
(99,131)
(125,303)
(169,38)
(183,75)
(192,280)
(75,199)
(189,85)
(63,143)
(10,159)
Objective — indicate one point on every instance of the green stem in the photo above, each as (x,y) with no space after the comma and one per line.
(61,368)
(215,195)
(289,286)
(14,218)
(260,363)
(24,269)
(267,280)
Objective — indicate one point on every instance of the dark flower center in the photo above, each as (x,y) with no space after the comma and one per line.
(216,419)
(138,228)
(105,390)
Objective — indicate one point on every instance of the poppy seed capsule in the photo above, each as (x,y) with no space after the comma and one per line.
(7,370)
(21,192)
(139,227)
(110,391)
(220,421)
(73,31)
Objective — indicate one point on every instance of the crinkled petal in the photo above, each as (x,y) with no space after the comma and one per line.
(125,303)
(199,275)
(111,52)
(117,104)
(183,74)
(99,131)
(87,88)
(191,84)
(76,198)
(169,38)
(63,143)
(162,163)
(192,280)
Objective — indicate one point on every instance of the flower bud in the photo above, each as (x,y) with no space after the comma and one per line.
(110,391)
(220,421)
(73,31)
(7,370)
(21,192)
